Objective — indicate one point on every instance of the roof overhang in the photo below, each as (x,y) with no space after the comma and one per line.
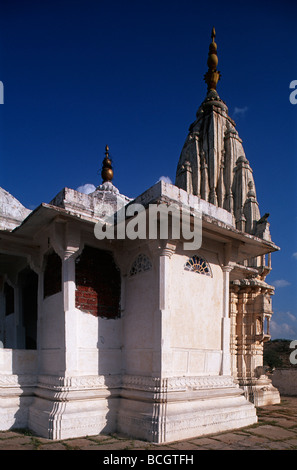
(217,223)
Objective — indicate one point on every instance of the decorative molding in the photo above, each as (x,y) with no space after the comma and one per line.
(14,380)
(62,384)
(134,382)
(158,385)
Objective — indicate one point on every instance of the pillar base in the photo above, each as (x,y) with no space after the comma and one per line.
(16,396)
(71,407)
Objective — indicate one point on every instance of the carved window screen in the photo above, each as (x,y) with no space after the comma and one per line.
(198,265)
(141,264)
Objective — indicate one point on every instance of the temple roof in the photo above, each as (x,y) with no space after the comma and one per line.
(12,212)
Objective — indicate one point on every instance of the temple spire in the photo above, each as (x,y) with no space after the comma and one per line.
(107,171)
(213,75)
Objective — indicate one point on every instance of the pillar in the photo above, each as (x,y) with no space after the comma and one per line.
(164,256)
(226,324)
(233,335)
(68,281)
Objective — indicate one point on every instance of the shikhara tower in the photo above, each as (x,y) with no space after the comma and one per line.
(214,167)
(140,335)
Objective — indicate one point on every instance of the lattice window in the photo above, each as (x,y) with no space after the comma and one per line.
(140,264)
(198,265)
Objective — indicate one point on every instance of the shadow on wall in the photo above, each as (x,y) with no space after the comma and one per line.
(18,376)
(18,354)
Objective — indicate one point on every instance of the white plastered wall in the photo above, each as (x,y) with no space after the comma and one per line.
(141,351)
(195,309)
(52,332)
(99,345)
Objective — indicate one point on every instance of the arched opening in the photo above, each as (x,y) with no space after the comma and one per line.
(98,283)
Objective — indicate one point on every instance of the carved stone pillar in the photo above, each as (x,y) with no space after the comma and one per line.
(204,177)
(230,158)
(68,281)
(233,334)
(226,324)
(253,309)
(242,335)
(165,252)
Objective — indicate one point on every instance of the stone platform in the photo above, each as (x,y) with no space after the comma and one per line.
(275,430)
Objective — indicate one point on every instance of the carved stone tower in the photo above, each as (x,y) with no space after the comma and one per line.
(214,167)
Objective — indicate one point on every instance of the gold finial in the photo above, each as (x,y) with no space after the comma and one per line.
(213,75)
(107,171)
(213,33)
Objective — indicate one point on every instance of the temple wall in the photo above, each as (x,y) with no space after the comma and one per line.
(99,345)
(195,328)
(52,335)
(17,384)
(138,324)
(18,361)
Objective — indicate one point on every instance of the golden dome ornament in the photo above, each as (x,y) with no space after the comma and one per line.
(107,170)
(213,75)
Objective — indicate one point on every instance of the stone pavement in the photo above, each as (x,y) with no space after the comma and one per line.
(275,430)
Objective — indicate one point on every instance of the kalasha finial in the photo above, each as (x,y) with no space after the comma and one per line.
(107,171)
(213,75)
(213,34)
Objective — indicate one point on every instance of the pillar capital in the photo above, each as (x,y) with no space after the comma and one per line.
(165,248)
(227,269)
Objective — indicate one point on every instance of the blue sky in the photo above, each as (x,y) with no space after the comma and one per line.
(81,74)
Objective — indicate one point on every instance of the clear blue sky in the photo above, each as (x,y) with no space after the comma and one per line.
(81,74)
